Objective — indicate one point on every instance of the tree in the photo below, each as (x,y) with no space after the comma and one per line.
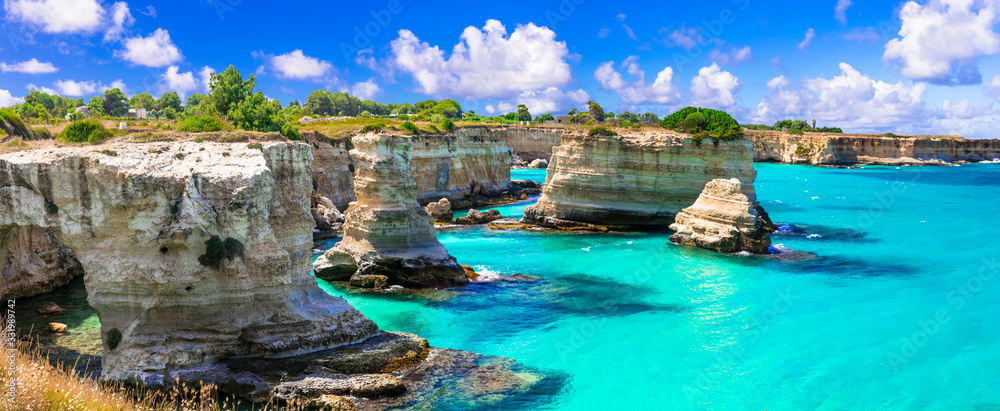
(694,122)
(41,112)
(96,106)
(142,100)
(571,113)
(36,97)
(545,117)
(629,117)
(522,113)
(650,118)
(194,99)
(596,111)
(169,99)
(170,113)
(448,108)
(320,103)
(115,103)
(229,89)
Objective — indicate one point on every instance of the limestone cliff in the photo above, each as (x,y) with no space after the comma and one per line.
(33,261)
(531,143)
(387,234)
(449,165)
(332,172)
(726,218)
(193,252)
(846,149)
(639,179)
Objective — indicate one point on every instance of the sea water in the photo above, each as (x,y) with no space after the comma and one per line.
(886,296)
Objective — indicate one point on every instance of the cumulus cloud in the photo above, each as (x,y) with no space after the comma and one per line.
(808,39)
(940,41)
(365,90)
(486,63)
(157,50)
(662,91)
(849,100)
(714,88)
(32,66)
(551,100)
(7,100)
(57,16)
(73,88)
(298,66)
(121,17)
(186,82)
(733,56)
(840,11)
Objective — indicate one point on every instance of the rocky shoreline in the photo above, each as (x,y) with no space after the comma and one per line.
(847,149)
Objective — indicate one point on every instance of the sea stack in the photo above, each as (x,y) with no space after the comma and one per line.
(633,179)
(387,235)
(725,218)
(193,252)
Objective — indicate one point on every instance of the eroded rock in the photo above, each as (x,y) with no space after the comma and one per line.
(479,217)
(33,261)
(726,218)
(440,211)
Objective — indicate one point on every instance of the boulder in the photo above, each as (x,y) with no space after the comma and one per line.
(539,163)
(335,265)
(361,385)
(57,327)
(479,217)
(440,211)
(725,218)
(50,308)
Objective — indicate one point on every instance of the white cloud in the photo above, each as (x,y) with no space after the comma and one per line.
(73,88)
(995,87)
(851,100)
(157,50)
(808,39)
(121,17)
(734,56)
(687,38)
(939,42)
(486,63)
(298,66)
(206,77)
(185,82)
(32,66)
(782,102)
(662,91)
(714,88)
(365,90)
(840,11)
(57,16)
(7,100)
(628,30)
(550,100)
(604,32)
(150,11)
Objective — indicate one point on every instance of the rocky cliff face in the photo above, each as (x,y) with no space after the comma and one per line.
(331,169)
(449,165)
(531,143)
(389,237)
(640,179)
(840,149)
(193,252)
(33,261)
(726,218)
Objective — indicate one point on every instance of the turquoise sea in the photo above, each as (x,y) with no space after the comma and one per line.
(885,297)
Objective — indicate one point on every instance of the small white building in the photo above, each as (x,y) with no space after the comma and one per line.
(139,114)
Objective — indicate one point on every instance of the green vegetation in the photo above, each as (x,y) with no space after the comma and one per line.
(109,153)
(234,98)
(545,117)
(114,338)
(890,135)
(796,132)
(372,128)
(11,124)
(200,124)
(789,125)
(53,208)
(716,124)
(87,130)
(411,128)
(216,250)
(601,131)
(448,125)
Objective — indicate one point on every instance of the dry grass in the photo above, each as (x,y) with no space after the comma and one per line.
(40,386)
(13,146)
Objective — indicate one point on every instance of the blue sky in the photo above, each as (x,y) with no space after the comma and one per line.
(913,67)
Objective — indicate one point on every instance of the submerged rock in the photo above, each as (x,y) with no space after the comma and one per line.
(335,265)
(50,308)
(386,232)
(440,211)
(726,218)
(479,217)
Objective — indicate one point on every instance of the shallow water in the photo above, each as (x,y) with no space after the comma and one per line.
(890,313)
(895,307)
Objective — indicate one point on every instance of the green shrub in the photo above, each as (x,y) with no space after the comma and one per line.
(258,146)
(291,132)
(11,124)
(216,250)
(110,153)
(601,131)
(448,125)
(890,135)
(199,124)
(433,128)
(412,128)
(53,208)
(114,338)
(719,124)
(371,128)
(796,132)
(87,130)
